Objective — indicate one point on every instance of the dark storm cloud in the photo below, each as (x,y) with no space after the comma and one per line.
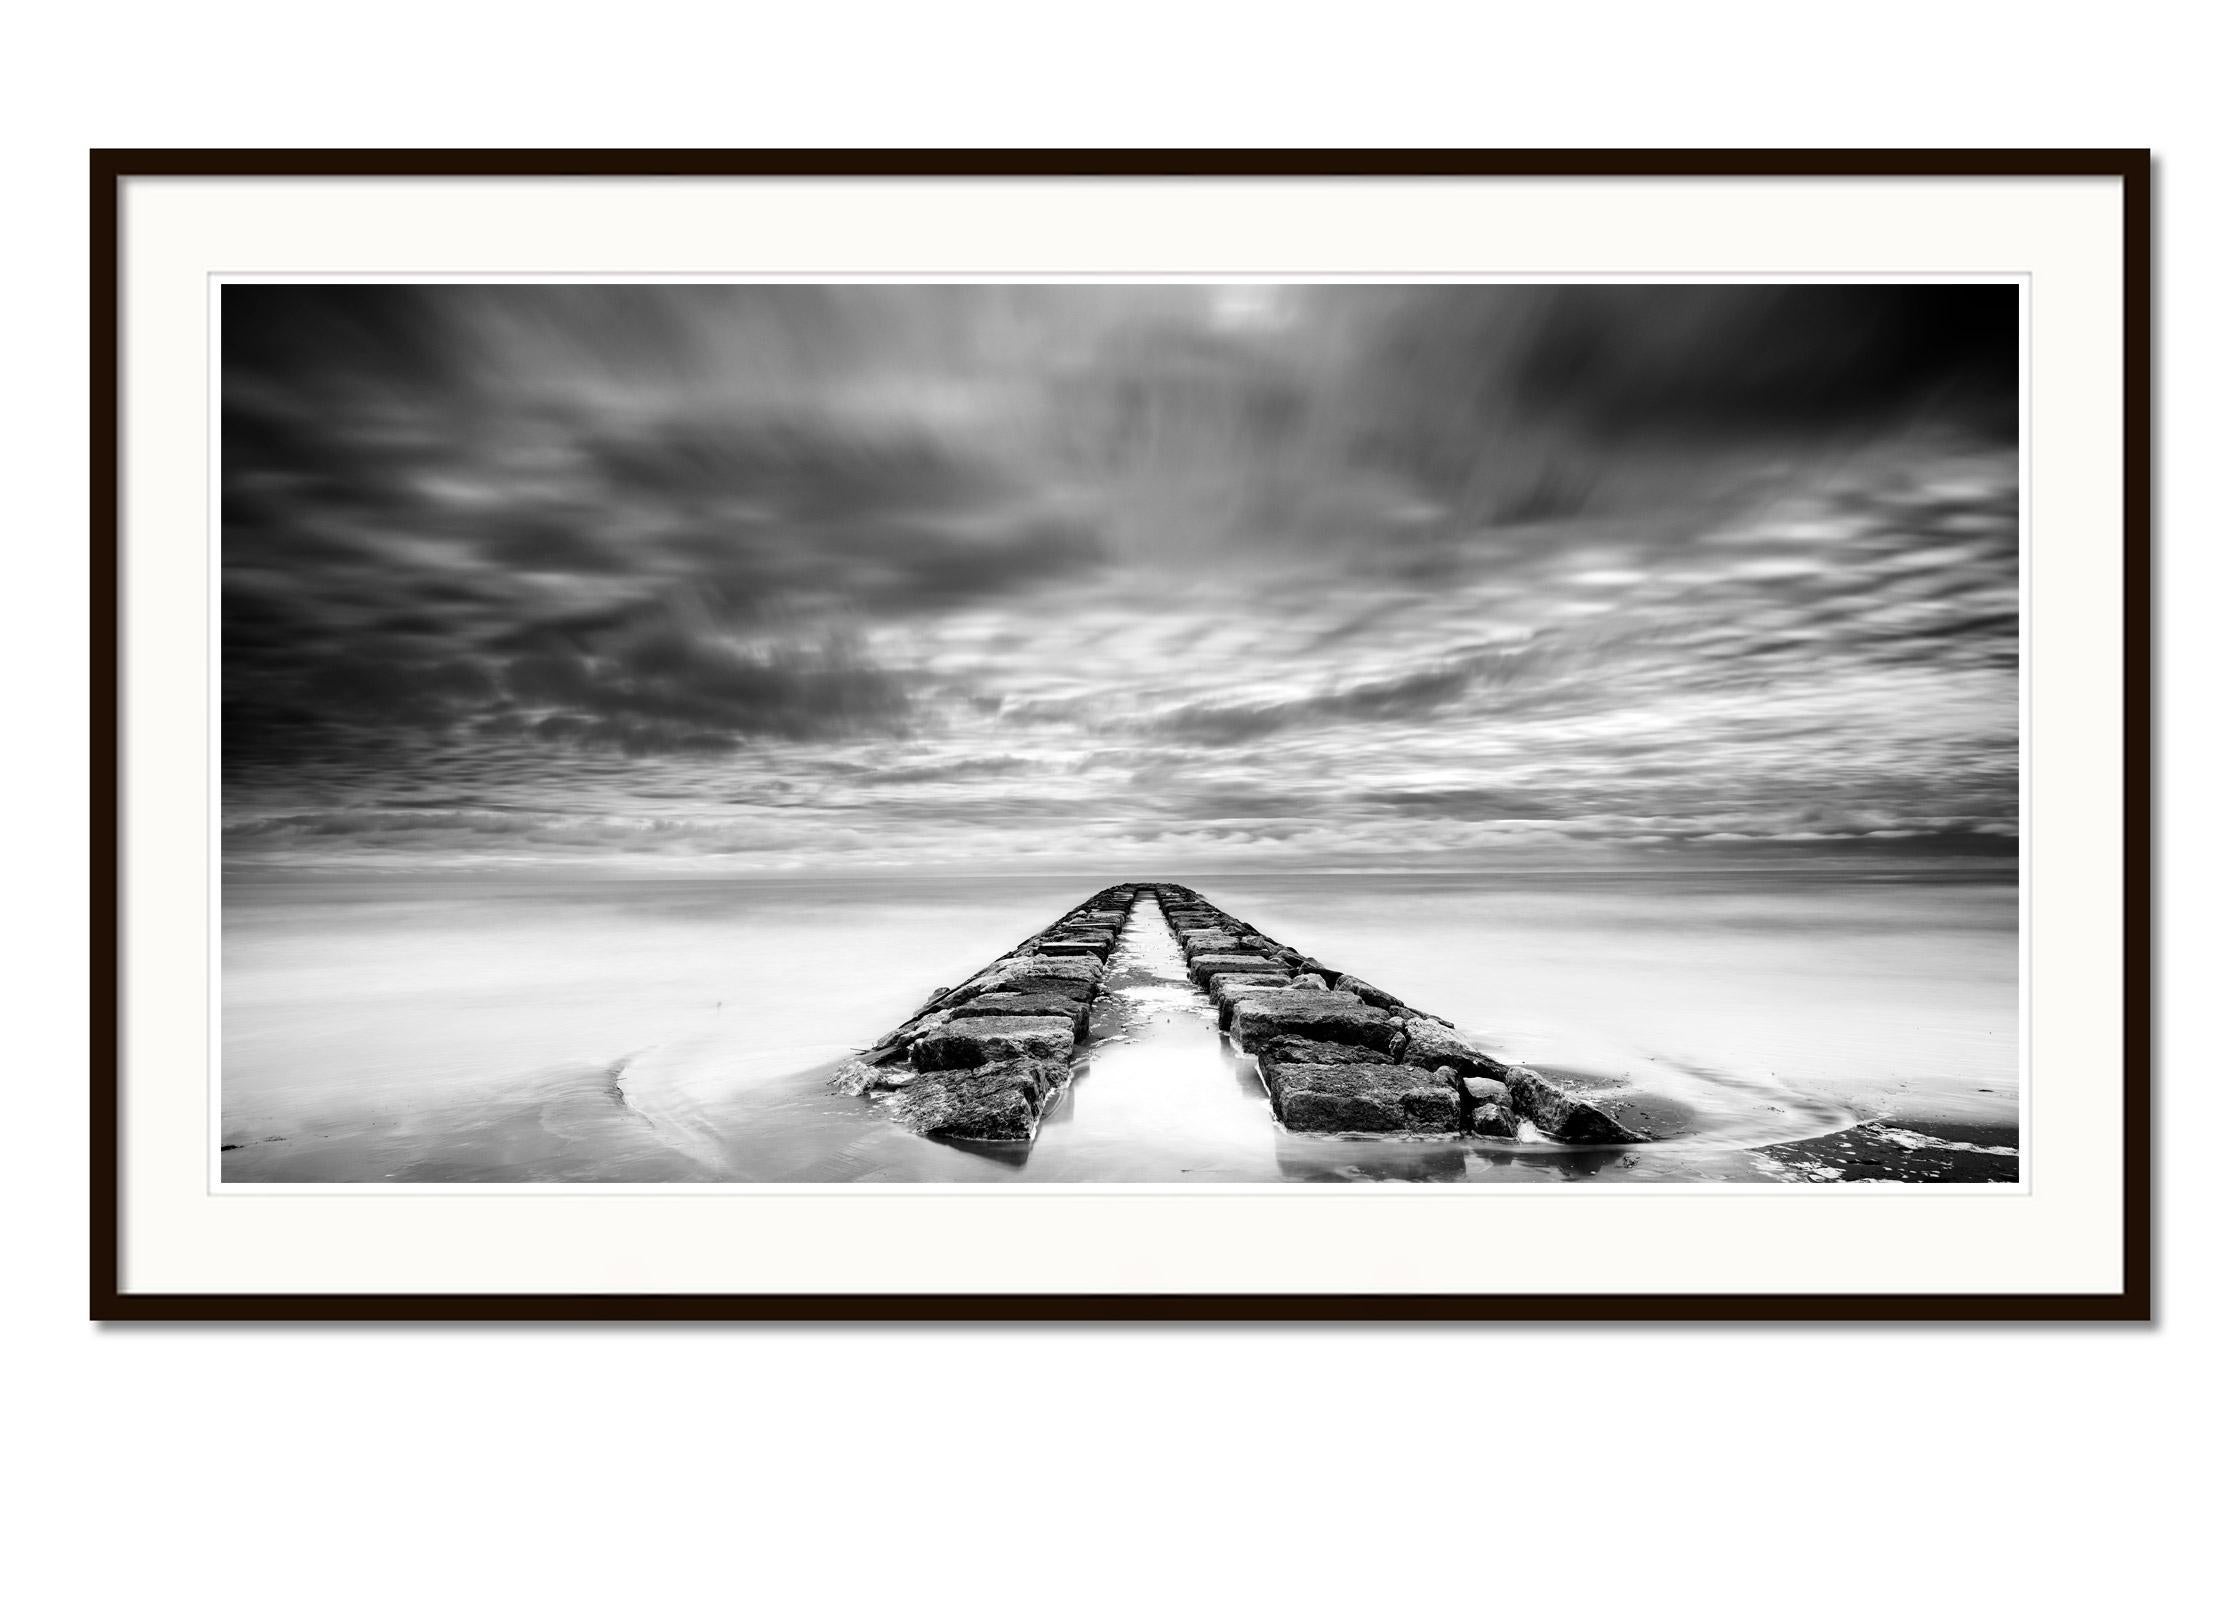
(438,511)
(1754,359)
(665,686)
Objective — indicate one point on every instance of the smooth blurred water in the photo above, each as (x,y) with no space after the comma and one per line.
(605,1029)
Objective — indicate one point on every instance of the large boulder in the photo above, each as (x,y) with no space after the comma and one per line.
(1004,1102)
(1286,1050)
(1254,1019)
(1492,1120)
(1225,987)
(1203,968)
(893,1048)
(1074,989)
(1075,977)
(1006,1004)
(860,1074)
(1062,969)
(1206,942)
(1075,944)
(967,1042)
(1431,1045)
(1562,1115)
(1360,1097)
(1367,991)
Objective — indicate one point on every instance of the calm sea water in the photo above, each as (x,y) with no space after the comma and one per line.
(649,1030)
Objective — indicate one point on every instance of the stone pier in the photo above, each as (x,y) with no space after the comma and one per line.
(1339,1055)
(986,1059)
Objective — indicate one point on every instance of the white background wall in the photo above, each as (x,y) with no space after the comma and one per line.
(444,1461)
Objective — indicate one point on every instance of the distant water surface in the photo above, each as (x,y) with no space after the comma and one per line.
(1789,1025)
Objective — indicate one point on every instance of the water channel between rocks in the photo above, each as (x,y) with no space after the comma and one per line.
(1157,1095)
(1155,1091)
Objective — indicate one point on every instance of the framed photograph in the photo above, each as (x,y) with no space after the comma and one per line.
(1122,735)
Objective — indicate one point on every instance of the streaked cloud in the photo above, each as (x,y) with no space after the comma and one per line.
(803,579)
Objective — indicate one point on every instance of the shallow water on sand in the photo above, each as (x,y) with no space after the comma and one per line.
(1777,1025)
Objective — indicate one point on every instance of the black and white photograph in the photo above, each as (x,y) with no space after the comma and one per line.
(1144,731)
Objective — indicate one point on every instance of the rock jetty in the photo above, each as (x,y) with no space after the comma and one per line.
(986,1059)
(1339,1055)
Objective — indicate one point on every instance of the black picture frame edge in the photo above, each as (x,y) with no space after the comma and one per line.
(109,169)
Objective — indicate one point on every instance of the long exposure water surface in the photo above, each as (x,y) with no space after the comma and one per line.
(411,1029)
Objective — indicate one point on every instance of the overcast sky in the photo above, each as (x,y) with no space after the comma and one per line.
(1140,578)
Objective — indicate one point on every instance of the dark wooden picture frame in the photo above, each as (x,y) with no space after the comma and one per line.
(110,170)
